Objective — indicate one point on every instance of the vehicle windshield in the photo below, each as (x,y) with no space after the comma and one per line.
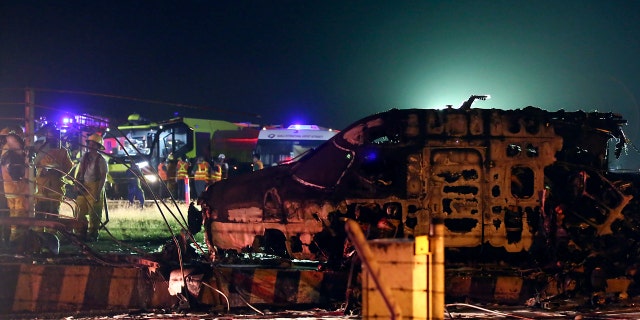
(130,142)
(174,140)
(149,142)
(273,152)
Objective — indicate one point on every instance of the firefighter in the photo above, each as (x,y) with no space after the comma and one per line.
(171,175)
(163,174)
(182,174)
(52,163)
(202,175)
(220,169)
(14,174)
(224,166)
(133,186)
(92,175)
(216,173)
(257,163)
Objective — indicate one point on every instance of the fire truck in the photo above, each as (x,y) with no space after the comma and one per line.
(74,129)
(144,143)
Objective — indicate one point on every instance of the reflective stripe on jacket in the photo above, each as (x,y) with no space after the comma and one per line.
(202,172)
(183,170)
(216,175)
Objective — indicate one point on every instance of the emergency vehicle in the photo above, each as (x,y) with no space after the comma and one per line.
(74,129)
(146,143)
(281,145)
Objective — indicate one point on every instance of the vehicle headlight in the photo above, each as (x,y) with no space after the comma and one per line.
(142,164)
(144,168)
(151,178)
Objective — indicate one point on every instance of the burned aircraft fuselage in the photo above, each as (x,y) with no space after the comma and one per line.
(525,180)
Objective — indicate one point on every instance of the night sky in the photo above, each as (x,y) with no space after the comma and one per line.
(323,62)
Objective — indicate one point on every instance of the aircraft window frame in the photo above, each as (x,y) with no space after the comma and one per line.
(325,167)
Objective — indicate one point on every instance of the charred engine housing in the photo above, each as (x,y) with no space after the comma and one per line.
(512,181)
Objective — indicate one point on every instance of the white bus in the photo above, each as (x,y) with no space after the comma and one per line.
(282,145)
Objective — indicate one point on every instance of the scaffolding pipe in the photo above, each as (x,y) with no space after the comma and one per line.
(360,242)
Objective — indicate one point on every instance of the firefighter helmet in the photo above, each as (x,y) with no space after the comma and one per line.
(221,156)
(97,138)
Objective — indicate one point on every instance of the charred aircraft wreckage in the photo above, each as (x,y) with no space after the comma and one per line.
(525,190)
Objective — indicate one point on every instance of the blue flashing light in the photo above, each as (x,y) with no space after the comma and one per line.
(371,156)
(303,127)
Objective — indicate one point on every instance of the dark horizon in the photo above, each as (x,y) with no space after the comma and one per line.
(328,63)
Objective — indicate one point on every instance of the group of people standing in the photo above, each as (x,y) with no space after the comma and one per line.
(205,175)
(178,174)
(51,166)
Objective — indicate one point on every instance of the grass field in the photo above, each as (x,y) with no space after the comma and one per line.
(131,223)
